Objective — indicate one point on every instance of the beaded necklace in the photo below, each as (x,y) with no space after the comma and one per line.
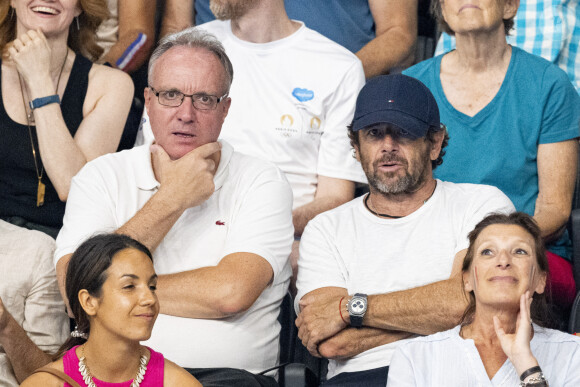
(88,378)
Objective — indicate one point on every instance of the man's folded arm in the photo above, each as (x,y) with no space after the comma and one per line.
(423,310)
(352,341)
(214,292)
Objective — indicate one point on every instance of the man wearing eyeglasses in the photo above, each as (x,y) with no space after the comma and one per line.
(219,223)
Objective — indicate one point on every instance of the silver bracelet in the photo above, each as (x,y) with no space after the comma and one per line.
(536,381)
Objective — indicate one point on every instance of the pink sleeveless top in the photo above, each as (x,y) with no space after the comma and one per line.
(153,376)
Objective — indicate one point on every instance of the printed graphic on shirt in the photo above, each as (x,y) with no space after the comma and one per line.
(302,95)
(286,128)
(315,126)
(304,120)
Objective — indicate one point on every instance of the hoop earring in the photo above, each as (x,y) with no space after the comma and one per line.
(12,12)
(78,25)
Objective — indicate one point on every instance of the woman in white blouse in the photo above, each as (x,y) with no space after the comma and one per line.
(496,343)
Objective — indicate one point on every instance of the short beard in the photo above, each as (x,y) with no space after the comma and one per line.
(405,184)
(230,10)
(409,183)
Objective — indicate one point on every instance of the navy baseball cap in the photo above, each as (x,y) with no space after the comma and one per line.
(398,100)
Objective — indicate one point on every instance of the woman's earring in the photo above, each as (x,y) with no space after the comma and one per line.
(12,12)
(78,334)
(78,25)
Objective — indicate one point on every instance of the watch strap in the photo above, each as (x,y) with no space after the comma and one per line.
(356,321)
(40,102)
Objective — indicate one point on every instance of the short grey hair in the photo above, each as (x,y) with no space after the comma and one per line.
(194,38)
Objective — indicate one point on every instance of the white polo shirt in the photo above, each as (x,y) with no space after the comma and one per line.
(250,211)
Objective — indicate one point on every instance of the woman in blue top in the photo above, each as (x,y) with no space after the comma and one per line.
(512,119)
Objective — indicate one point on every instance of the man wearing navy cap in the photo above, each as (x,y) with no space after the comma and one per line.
(385,267)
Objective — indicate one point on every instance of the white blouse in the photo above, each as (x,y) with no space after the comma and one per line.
(446,359)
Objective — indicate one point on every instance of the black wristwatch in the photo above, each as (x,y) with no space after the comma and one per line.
(357,307)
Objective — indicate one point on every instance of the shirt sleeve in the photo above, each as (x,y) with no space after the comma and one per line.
(263,223)
(45,320)
(401,370)
(571,369)
(89,210)
(335,158)
(319,264)
(561,115)
(489,200)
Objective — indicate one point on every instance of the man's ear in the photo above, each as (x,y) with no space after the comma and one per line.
(89,303)
(148,95)
(356,153)
(226,103)
(437,143)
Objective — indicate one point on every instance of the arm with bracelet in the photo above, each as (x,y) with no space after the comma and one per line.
(39,67)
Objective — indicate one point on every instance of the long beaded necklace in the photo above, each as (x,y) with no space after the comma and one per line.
(88,378)
(29,120)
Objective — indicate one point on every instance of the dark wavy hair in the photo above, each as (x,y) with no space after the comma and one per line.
(355,142)
(539,311)
(82,40)
(437,13)
(87,269)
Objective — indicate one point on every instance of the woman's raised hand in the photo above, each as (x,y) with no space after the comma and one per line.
(31,54)
(516,345)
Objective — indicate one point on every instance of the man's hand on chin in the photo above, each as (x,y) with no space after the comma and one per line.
(188,181)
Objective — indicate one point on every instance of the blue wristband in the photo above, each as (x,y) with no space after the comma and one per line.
(40,102)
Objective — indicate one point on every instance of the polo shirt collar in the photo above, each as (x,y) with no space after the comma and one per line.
(146,178)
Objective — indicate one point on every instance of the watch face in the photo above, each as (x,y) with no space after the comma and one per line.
(358,306)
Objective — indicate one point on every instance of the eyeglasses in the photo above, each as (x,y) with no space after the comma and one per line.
(200,101)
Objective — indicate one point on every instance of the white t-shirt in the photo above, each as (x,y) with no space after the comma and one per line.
(292,100)
(250,211)
(351,248)
(446,359)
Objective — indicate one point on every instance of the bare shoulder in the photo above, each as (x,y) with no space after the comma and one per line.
(174,375)
(105,79)
(45,379)
(109,87)
(110,75)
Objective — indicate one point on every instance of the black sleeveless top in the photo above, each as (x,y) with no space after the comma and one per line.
(18,179)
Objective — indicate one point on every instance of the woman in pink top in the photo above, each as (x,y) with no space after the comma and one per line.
(110,285)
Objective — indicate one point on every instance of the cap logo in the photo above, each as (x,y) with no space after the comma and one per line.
(390,101)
